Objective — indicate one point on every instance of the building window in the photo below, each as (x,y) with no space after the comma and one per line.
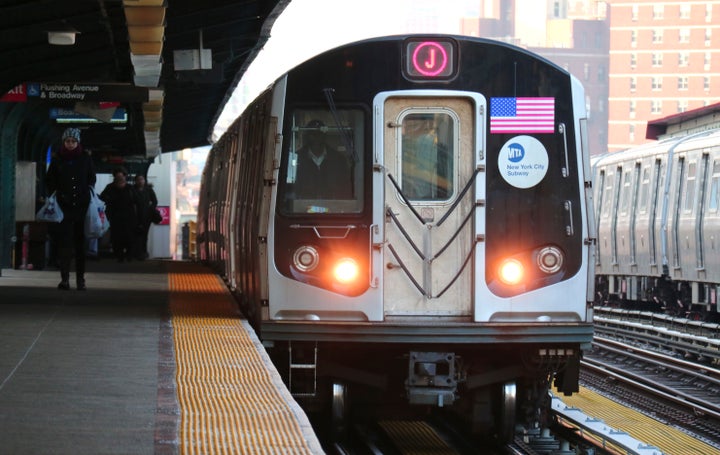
(633,106)
(682,106)
(683,58)
(657,36)
(658,12)
(708,36)
(633,60)
(706,83)
(708,12)
(707,60)
(682,83)
(634,13)
(633,84)
(633,38)
(684,35)
(656,106)
(601,76)
(657,83)
(632,133)
(601,105)
(684,11)
(657,59)
(586,71)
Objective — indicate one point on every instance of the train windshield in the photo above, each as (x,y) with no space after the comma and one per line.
(323,162)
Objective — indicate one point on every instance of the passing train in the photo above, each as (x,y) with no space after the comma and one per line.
(658,226)
(445,260)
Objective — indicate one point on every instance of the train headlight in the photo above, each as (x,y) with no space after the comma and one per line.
(306,258)
(346,271)
(550,259)
(511,272)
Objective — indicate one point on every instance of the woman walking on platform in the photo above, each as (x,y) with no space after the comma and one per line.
(70,175)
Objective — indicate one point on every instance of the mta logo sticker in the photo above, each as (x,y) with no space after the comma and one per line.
(523,161)
(516,152)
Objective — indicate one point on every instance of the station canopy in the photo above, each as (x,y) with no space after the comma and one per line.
(141,77)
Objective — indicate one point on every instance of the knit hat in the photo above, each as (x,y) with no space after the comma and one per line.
(71,132)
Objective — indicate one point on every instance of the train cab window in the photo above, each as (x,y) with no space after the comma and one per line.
(427,158)
(322,166)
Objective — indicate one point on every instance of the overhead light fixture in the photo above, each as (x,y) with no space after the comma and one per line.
(63,35)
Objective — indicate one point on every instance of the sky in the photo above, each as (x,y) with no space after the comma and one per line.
(308,27)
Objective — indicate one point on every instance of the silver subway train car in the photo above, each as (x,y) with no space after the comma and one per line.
(658,226)
(408,218)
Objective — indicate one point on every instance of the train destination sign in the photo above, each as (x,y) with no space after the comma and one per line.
(73,92)
(430,59)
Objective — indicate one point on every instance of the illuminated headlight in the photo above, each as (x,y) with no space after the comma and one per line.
(306,259)
(511,272)
(550,259)
(346,271)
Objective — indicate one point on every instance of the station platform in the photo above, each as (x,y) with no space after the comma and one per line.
(152,359)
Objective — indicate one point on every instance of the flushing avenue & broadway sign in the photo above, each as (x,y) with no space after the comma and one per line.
(73,92)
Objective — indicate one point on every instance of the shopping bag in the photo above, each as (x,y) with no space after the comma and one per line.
(50,211)
(155,216)
(96,222)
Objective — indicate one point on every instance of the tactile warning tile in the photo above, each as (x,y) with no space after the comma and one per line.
(231,398)
(415,437)
(668,439)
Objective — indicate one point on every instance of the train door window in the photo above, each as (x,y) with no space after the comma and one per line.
(644,189)
(322,166)
(607,199)
(626,193)
(427,159)
(714,200)
(690,187)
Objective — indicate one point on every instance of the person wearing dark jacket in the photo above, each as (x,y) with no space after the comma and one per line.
(147,203)
(70,176)
(121,208)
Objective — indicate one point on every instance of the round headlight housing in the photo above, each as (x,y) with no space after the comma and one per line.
(306,258)
(550,259)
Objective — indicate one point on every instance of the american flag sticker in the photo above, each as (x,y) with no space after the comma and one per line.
(522,115)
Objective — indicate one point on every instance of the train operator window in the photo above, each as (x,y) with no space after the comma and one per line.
(427,158)
(323,162)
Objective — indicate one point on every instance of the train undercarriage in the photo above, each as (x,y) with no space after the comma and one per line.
(490,388)
(688,299)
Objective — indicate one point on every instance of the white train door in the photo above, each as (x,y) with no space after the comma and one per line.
(429,162)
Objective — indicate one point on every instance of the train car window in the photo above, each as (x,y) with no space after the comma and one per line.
(323,162)
(645,189)
(427,158)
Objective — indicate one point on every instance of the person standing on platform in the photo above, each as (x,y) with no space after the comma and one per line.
(70,176)
(121,209)
(147,203)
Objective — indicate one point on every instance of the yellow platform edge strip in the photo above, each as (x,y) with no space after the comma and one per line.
(668,439)
(231,398)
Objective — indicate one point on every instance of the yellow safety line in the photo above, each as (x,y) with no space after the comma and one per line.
(416,437)
(668,439)
(228,402)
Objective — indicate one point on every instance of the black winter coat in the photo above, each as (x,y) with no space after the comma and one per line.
(71,179)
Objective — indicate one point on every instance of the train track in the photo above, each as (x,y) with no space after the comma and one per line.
(441,436)
(682,393)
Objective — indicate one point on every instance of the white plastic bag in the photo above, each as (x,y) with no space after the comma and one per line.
(50,211)
(96,222)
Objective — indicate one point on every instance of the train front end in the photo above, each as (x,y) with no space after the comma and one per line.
(444,257)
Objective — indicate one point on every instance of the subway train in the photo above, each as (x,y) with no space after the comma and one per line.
(406,220)
(658,226)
